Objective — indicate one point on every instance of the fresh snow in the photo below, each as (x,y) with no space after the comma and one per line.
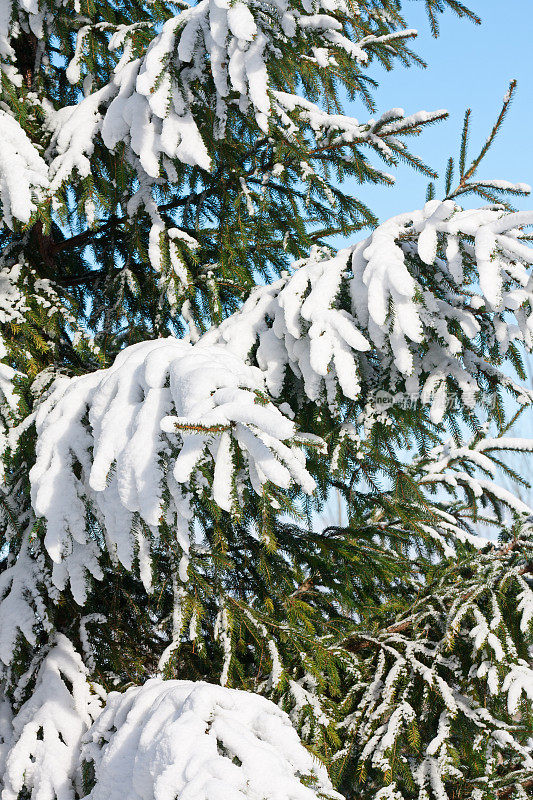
(23,172)
(143,428)
(189,740)
(22,603)
(126,453)
(216,48)
(300,329)
(44,755)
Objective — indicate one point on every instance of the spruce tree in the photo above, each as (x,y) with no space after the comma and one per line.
(189,371)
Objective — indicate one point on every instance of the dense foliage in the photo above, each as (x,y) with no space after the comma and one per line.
(190,373)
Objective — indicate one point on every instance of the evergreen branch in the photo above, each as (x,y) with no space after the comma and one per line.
(497,125)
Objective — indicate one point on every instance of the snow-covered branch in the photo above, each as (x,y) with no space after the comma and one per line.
(135,441)
(171,739)
(374,317)
(24,178)
(44,755)
(455,662)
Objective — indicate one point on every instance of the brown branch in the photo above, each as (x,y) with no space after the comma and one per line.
(44,245)
(25,47)
(84,238)
(84,277)
(508,790)
(306,586)
(81,239)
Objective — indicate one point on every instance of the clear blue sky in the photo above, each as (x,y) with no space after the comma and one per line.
(468,66)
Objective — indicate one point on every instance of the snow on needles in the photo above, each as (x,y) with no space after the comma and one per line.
(226,46)
(422,663)
(418,335)
(122,438)
(169,739)
(44,755)
(214,55)
(135,441)
(23,173)
(158,741)
(22,602)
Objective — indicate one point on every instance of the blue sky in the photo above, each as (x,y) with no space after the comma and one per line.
(468,66)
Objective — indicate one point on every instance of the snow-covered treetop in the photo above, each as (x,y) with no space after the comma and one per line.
(185,739)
